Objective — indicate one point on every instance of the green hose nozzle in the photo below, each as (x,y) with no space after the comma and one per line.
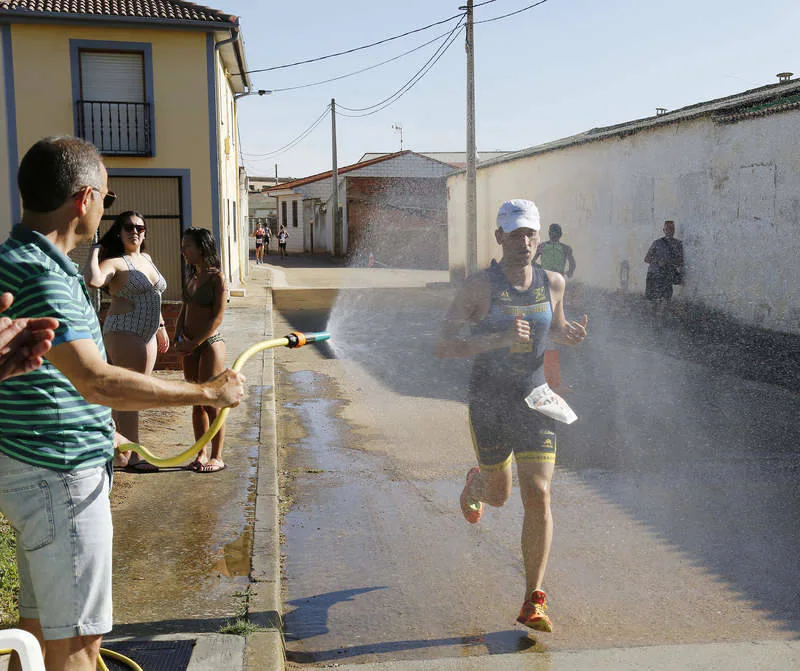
(297,339)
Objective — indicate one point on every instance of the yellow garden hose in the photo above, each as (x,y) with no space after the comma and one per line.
(101,665)
(293,340)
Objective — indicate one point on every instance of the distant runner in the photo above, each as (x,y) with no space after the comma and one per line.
(501,317)
(283,236)
(260,235)
(556,256)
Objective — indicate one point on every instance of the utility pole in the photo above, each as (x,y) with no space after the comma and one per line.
(337,224)
(472,197)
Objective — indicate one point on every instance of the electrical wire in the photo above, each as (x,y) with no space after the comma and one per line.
(366,46)
(294,142)
(440,51)
(357,72)
(486,2)
(519,11)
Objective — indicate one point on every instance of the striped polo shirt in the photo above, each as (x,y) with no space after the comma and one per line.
(44,421)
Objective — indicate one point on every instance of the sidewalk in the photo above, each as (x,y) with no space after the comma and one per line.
(195,552)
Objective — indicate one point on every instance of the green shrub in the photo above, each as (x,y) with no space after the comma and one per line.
(9,580)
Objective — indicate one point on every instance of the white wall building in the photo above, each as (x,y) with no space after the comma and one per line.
(726,171)
(305,206)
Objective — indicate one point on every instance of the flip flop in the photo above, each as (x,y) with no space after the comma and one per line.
(196,465)
(211,468)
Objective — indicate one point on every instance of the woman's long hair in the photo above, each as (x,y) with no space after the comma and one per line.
(208,248)
(111,243)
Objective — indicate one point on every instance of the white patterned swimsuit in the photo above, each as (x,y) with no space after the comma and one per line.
(144,318)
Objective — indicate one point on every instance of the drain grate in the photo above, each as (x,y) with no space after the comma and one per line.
(152,655)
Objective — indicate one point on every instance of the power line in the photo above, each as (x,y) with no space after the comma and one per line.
(417,76)
(486,2)
(357,72)
(294,142)
(409,84)
(350,51)
(519,11)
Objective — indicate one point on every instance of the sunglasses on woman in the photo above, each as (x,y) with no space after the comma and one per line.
(139,228)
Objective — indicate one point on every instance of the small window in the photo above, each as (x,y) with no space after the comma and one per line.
(294,213)
(112,94)
(284,215)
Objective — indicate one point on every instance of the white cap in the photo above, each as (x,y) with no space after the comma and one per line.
(518,213)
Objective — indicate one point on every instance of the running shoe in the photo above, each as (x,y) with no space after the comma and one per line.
(472,509)
(533,612)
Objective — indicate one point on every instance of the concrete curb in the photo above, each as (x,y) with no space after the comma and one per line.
(265,649)
(216,651)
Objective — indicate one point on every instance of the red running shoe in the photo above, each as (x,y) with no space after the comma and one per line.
(533,612)
(472,510)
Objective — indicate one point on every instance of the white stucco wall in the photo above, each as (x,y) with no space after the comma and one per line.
(230,206)
(732,189)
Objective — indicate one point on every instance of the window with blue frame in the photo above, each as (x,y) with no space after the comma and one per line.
(112,84)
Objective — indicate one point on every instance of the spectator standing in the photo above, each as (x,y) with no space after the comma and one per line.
(134,331)
(56,434)
(665,268)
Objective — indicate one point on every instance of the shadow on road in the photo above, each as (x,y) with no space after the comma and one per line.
(494,643)
(310,616)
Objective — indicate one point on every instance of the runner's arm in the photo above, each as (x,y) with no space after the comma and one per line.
(571,265)
(562,331)
(470,305)
(122,389)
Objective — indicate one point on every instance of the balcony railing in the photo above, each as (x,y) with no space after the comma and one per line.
(116,128)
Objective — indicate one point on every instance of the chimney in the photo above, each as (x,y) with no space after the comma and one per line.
(784,76)
(661,111)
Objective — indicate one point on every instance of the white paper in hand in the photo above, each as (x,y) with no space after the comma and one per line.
(545,400)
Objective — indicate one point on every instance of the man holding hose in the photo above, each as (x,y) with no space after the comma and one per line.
(501,317)
(56,435)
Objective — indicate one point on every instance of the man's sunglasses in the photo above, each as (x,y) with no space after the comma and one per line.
(139,228)
(108,199)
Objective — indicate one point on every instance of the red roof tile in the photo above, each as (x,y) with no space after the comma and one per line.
(165,10)
(348,168)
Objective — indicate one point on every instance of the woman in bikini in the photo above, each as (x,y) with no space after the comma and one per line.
(133,330)
(197,334)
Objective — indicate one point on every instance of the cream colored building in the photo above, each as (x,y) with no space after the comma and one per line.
(727,171)
(154,86)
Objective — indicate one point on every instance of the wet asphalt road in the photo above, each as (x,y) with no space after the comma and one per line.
(675,499)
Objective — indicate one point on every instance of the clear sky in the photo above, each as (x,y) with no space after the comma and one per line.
(560,68)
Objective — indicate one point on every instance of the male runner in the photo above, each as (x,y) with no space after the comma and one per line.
(500,317)
(556,256)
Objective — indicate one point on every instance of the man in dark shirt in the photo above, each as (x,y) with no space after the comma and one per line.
(665,257)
